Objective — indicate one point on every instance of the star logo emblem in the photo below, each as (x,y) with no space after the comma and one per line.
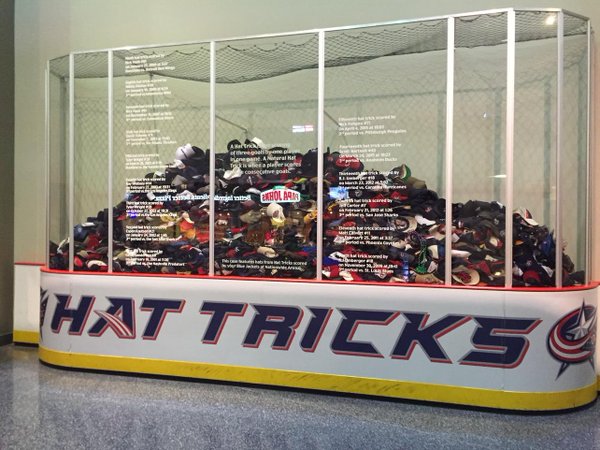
(572,340)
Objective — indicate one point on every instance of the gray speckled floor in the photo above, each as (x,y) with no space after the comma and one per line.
(44,408)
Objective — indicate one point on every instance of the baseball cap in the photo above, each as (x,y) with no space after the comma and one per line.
(525,216)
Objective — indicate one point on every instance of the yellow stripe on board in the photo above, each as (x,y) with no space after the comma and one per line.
(530,401)
(26,337)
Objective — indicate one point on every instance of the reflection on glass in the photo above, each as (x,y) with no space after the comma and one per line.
(161,160)
(385,91)
(58,226)
(90,162)
(573,166)
(479,171)
(266,160)
(535,160)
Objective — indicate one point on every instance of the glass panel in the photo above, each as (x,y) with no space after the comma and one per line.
(479,161)
(91,162)
(58,225)
(535,149)
(384,207)
(385,125)
(573,166)
(266,139)
(161,160)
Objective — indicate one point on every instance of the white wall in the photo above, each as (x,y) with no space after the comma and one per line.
(45,29)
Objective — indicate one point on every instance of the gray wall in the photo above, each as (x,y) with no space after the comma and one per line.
(46,29)
(7,79)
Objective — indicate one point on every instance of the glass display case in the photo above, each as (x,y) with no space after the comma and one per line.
(444,151)
(271,193)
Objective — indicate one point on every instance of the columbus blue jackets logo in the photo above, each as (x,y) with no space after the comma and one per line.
(572,340)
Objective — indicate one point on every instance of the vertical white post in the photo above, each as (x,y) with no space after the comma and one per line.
(213,153)
(110,162)
(71,186)
(321,152)
(510,145)
(449,149)
(559,133)
(47,159)
(588,238)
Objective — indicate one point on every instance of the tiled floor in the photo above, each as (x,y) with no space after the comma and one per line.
(43,407)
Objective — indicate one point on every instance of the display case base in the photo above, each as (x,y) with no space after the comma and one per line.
(26,314)
(26,337)
(508,349)
(487,398)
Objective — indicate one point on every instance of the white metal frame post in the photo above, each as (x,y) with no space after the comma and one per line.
(110,162)
(321,152)
(589,161)
(510,145)
(559,135)
(213,152)
(71,185)
(47,160)
(449,149)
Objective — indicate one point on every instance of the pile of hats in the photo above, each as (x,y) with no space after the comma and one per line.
(394,230)
(176,223)
(377,226)
(259,237)
(251,238)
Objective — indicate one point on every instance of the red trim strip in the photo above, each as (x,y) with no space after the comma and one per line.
(592,284)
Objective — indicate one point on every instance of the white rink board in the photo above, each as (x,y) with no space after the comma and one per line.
(181,335)
(26,314)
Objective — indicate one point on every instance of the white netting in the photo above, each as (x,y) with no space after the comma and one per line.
(246,60)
